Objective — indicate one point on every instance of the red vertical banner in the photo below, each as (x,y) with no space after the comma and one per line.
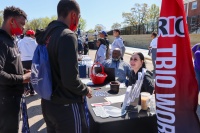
(176,86)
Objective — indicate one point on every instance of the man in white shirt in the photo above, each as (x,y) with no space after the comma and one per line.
(27,46)
(153,47)
(118,42)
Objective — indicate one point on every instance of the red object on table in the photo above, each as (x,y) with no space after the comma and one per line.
(98,79)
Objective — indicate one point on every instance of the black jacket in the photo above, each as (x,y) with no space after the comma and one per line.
(147,85)
(62,49)
(11,69)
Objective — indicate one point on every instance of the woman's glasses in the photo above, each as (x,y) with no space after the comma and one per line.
(134,59)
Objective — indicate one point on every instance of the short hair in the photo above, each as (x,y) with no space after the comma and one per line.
(117,30)
(13,12)
(64,7)
(118,49)
(154,34)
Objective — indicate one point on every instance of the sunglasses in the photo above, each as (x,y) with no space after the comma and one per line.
(134,59)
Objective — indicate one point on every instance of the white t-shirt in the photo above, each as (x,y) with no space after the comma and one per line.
(153,43)
(27,46)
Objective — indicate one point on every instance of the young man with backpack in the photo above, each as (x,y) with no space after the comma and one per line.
(12,76)
(65,112)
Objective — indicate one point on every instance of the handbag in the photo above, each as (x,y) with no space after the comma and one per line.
(149,52)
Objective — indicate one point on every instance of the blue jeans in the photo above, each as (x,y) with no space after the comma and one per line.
(197,72)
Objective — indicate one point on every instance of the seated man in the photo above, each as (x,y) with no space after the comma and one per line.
(122,69)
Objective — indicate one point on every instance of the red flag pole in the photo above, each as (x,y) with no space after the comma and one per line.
(176,86)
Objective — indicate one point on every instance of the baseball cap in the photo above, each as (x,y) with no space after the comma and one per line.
(30,32)
(103,32)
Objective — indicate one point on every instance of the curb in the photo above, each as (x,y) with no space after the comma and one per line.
(146,57)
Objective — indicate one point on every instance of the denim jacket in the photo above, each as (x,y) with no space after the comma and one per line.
(122,69)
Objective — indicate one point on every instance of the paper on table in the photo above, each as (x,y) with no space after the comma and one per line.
(100,104)
(122,85)
(87,81)
(115,99)
(107,86)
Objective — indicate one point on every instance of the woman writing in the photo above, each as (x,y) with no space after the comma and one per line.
(137,63)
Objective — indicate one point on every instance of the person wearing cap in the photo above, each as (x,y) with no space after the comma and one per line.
(27,46)
(118,42)
(103,35)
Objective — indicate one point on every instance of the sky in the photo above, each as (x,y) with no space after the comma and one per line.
(105,12)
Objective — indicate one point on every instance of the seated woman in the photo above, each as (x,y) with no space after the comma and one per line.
(101,51)
(137,63)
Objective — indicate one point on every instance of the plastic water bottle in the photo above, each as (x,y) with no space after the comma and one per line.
(152,105)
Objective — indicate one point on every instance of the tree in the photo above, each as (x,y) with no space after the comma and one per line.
(82,23)
(54,18)
(142,12)
(34,24)
(44,22)
(116,26)
(99,27)
(137,16)
(153,16)
(1,17)
(125,25)
(90,31)
(129,19)
(39,23)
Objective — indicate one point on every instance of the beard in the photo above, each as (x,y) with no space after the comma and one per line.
(116,59)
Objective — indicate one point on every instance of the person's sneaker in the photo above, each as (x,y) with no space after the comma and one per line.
(32,93)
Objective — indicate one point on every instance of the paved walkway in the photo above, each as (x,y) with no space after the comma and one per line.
(130,50)
(36,121)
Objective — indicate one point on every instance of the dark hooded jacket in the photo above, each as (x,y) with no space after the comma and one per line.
(11,70)
(62,49)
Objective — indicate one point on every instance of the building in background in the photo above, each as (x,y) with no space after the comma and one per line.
(192,9)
